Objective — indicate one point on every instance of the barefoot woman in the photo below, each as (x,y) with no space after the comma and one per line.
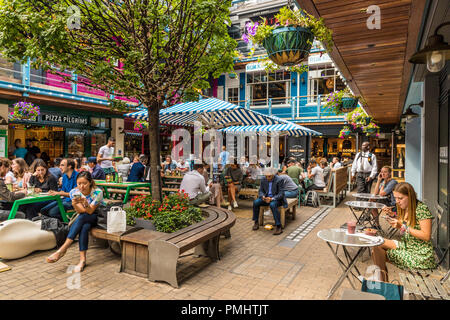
(414,250)
(85,200)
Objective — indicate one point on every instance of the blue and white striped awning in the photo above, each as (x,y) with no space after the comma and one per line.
(290,129)
(210,110)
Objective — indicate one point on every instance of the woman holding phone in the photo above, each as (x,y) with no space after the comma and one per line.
(86,198)
(385,187)
(414,250)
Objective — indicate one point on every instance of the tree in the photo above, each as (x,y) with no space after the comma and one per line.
(168,48)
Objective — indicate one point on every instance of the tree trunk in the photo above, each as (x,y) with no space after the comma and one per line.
(155,148)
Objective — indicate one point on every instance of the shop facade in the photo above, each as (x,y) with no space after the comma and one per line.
(65,132)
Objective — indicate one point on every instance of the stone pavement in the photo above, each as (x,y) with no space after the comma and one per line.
(254,265)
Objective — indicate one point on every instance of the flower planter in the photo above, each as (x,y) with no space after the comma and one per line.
(146,224)
(348,104)
(371,130)
(24,111)
(288,46)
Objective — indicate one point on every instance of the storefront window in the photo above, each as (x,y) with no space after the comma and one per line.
(133,144)
(265,86)
(98,140)
(443,157)
(323,81)
(233,95)
(75,143)
(100,122)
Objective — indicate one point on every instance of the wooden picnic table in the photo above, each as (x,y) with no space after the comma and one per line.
(40,197)
(127,186)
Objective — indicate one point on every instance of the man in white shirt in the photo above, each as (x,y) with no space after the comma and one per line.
(335,164)
(193,184)
(105,156)
(315,172)
(183,166)
(364,169)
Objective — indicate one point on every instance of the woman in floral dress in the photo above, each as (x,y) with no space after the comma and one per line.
(414,250)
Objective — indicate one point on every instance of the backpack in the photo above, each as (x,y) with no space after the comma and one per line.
(312,199)
(369,157)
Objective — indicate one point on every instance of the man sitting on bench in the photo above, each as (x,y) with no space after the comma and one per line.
(270,194)
(288,185)
(193,184)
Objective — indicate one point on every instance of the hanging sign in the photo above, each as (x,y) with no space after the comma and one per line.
(57,118)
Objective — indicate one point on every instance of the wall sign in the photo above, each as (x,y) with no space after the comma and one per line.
(56,118)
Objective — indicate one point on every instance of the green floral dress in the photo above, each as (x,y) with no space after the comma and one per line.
(413,253)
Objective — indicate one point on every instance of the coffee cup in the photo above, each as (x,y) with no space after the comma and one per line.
(351,227)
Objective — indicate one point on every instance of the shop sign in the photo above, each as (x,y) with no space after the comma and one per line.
(56,118)
(319,59)
(296,151)
(296,147)
(256,66)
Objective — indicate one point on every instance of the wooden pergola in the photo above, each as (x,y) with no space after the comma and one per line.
(374,62)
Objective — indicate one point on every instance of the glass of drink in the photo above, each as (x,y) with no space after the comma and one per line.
(9,186)
(351,227)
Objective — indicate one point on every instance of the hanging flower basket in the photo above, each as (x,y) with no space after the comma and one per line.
(341,102)
(140,125)
(348,104)
(345,132)
(288,46)
(289,41)
(25,111)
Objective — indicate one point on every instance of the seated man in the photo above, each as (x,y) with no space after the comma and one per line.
(193,184)
(6,196)
(137,171)
(270,194)
(315,172)
(69,182)
(294,171)
(326,169)
(288,186)
(96,171)
(183,166)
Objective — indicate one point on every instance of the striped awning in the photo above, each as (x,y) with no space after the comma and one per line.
(290,129)
(210,110)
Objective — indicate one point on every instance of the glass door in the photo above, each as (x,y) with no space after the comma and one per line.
(76,143)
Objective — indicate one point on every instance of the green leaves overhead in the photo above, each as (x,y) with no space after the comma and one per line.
(147,49)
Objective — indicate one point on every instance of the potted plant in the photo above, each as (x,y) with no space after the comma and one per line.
(141,211)
(341,102)
(345,132)
(372,128)
(24,111)
(289,41)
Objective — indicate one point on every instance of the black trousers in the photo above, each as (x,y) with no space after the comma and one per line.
(362,186)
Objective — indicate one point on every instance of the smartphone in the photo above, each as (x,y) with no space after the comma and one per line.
(77,196)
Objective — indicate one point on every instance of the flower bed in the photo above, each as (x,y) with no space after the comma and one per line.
(174,213)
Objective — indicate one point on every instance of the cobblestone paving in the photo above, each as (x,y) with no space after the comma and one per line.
(254,265)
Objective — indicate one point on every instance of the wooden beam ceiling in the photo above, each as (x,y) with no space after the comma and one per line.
(374,62)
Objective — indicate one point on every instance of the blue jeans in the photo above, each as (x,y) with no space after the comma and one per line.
(52,209)
(81,227)
(291,194)
(274,204)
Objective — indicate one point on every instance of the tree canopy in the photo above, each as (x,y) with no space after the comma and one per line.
(167,48)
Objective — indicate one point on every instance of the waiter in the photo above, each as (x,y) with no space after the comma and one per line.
(364,168)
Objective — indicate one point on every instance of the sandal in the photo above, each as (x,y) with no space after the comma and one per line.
(51,259)
(79,269)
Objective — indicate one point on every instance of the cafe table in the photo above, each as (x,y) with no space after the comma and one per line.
(366,216)
(369,196)
(342,239)
(38,197)
(127,186)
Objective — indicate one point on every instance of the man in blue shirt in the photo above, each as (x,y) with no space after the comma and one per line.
(223,157)
(96,170)
(56,170)
(270,194)
(69,182)
(137,170)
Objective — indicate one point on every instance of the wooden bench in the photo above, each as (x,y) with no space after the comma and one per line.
(170,190)
(292,206)
(203,236)
(132,192)
(112,238)
(249,192)
(336,187)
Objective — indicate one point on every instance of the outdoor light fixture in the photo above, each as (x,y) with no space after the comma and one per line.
(302,80)
(435,53)
(293,81)
(409,114)
(3,121)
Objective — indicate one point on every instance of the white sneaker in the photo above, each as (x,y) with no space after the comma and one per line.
(235,204)
(229,208)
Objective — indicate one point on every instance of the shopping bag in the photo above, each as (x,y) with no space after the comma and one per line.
(117,220)
(390,291)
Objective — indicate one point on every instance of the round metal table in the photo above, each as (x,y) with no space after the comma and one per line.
(342,239)
(369,196)
(366,218)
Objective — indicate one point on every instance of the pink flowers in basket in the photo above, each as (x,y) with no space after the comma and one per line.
(25,111)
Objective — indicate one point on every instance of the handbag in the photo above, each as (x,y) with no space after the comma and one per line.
(390,291)
(117,220)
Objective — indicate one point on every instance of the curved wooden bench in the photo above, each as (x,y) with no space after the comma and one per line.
(203,236)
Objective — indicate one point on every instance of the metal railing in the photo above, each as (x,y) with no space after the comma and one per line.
(292,108)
